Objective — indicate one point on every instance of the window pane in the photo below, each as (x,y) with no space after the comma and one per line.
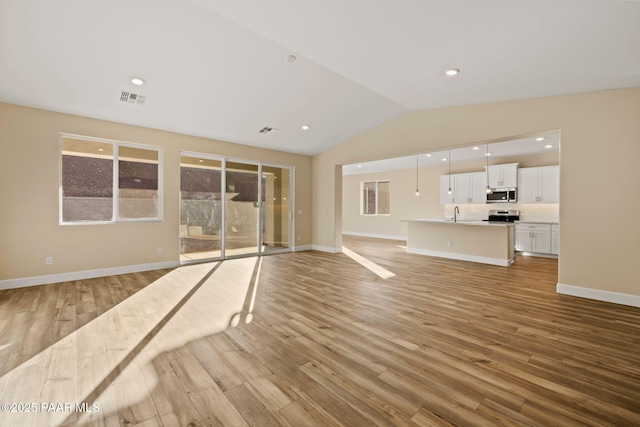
(200,208)
(241,209)
(275,203)
(137,183)
(87,181)
(368,198)
(383,197)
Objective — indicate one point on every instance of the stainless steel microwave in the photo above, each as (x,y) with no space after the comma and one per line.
(502,195)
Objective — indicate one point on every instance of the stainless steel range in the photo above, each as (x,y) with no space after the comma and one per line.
(503,216)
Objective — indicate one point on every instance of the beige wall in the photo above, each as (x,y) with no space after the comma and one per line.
(489,242)
(600,153)
(29,229)
(404,204)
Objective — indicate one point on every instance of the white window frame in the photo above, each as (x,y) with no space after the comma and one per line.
(116,144)
(362,205)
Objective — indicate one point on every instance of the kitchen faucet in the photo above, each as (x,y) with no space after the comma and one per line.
(455,217)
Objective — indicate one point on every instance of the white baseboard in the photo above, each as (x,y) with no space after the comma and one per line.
(326,249)
(599,295)
(375,236)
(461,257)
(302,248)
(85,274)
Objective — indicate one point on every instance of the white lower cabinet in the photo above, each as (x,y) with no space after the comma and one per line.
(536,238)
(555,234)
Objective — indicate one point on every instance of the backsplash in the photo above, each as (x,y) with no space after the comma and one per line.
(528,212)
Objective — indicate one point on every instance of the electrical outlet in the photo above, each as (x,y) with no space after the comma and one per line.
(299,238)
(48,260)
(449,243)
(159,251)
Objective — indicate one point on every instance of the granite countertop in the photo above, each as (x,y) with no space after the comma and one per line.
(537,221)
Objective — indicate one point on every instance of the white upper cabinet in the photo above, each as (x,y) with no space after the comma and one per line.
(503,176)
(539,185)
(466,188)
(462,188)
(445,198)
(476,187)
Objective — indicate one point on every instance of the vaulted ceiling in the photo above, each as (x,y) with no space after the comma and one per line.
(225,69)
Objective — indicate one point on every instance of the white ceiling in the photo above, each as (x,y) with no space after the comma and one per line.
(217,68)
(509,149)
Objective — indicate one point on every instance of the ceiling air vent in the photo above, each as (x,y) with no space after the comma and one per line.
(266,130)
(132,98)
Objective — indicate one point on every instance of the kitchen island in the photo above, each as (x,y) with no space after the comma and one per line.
(476,241)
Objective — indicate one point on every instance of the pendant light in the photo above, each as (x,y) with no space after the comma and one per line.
(488,186)
(417,189)
(449,190)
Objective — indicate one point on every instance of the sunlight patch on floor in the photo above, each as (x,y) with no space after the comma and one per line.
(369,265)
(110,360)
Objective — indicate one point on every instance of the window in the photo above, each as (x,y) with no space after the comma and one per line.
(375,198)
(106,181)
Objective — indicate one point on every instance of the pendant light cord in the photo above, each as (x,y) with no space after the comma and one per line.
(417,187)
(488,191)
(449,158)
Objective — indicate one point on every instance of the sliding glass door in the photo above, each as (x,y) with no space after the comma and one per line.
(276,189)
(242,210)
(201,207)
(233,208)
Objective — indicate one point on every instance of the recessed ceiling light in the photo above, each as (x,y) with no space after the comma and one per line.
(291,58)
(548,146)
(476,148)
(487,154)
(428,155)
(359,166)
(452,72)
(444,160)
(305,127)
(100,149)
(540,138)
(201,161)
(138,81)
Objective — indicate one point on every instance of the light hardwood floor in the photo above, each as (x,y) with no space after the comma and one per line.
(441,343)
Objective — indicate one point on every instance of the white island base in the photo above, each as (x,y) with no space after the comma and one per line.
(476,241)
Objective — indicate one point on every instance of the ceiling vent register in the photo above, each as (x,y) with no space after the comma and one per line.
(267,130)
(132,98)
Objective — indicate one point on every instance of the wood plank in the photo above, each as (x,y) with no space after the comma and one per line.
(442,343)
